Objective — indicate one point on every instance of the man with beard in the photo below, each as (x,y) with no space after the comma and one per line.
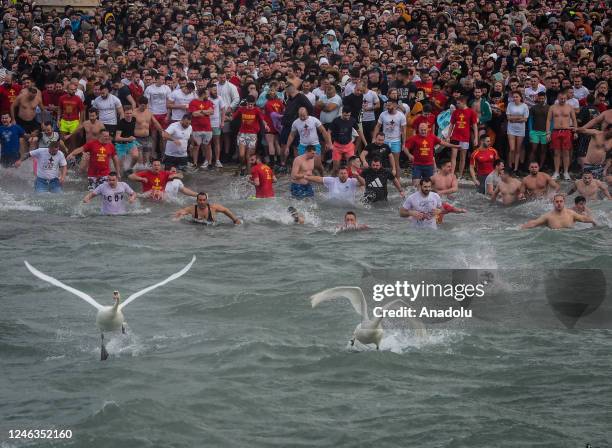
(589,187)
(101,152)
(423,206)
(154,180)
(559,218)
(341,188)
(376,178)
(536,184)
(378,148)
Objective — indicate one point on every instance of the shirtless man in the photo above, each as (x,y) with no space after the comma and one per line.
(303,166)
(600,143)
(559,218)
(536,183)
(444,182)
(589,187)
(23,112)
(144,120)
(604,119)
(92,129)
(204,212)
(563,117)
(508,188)
(580,206)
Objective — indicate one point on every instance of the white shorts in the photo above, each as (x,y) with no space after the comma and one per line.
(464,145)
(202,137)
(248,140)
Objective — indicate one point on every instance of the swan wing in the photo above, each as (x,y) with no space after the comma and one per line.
(353,293)
(157,285)
(59,284)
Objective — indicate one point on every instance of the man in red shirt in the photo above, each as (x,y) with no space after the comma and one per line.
(420,150)
(262,177)
(438,99)
(201,109)
(8,93)
(482,163)
(154,180)
(425,83)
(70,110)
(250,119)
(100,154)
(51,95)
(463,128)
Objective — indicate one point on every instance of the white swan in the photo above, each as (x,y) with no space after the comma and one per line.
(369,331)
(109,318)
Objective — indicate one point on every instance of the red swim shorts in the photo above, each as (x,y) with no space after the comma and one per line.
(339,150)
(561,139)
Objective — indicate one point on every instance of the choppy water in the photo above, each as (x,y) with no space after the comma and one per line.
(232,355)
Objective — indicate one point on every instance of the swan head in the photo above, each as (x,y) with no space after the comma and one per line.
(116,297)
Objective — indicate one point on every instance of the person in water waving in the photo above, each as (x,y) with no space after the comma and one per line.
(204,212)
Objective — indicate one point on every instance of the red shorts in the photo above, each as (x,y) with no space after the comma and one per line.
(446,208)
(561,139)
(339,150)
(162,119)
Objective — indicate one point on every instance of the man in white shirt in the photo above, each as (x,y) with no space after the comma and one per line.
(51,168)
(341,188)
(330,105)
(371,103)
(531,91)
(580,91)
(178,101)
(228,92)
(423,206)
(177,139)
(393,124)
(112,193)
(109,107)
(306,127)
(217,121)
(158,94)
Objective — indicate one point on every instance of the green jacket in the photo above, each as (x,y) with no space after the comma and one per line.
(485,111)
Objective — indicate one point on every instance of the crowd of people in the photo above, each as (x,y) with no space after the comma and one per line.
(352,95)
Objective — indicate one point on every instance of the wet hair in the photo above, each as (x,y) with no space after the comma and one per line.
(310,148)
(579,199)
(424,179)
(143,100)
(559,195)
(93,110)
(444,162)
(350,212)
(201,193)
(497,162)
(586,172)
(127,107)
(112,173)
(376,159)
(187,116)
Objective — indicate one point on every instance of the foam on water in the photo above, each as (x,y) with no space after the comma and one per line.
(8,202)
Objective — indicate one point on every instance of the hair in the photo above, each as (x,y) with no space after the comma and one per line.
(310,148)
(559,195)
(444,162)
(93,110)
(350,212)
(112,173)
(143,100)
(127,107)
(586,172)
(376,159)
(187,116)
(516,92)
(497,162)
(579,199)
(424,179)
(201,193)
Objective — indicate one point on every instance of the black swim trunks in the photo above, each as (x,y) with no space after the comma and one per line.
(28,126)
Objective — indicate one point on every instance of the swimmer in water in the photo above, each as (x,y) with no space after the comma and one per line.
(589,187)
(580,206)
(559,218)
(204,212)
(298,218)
(350,223)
